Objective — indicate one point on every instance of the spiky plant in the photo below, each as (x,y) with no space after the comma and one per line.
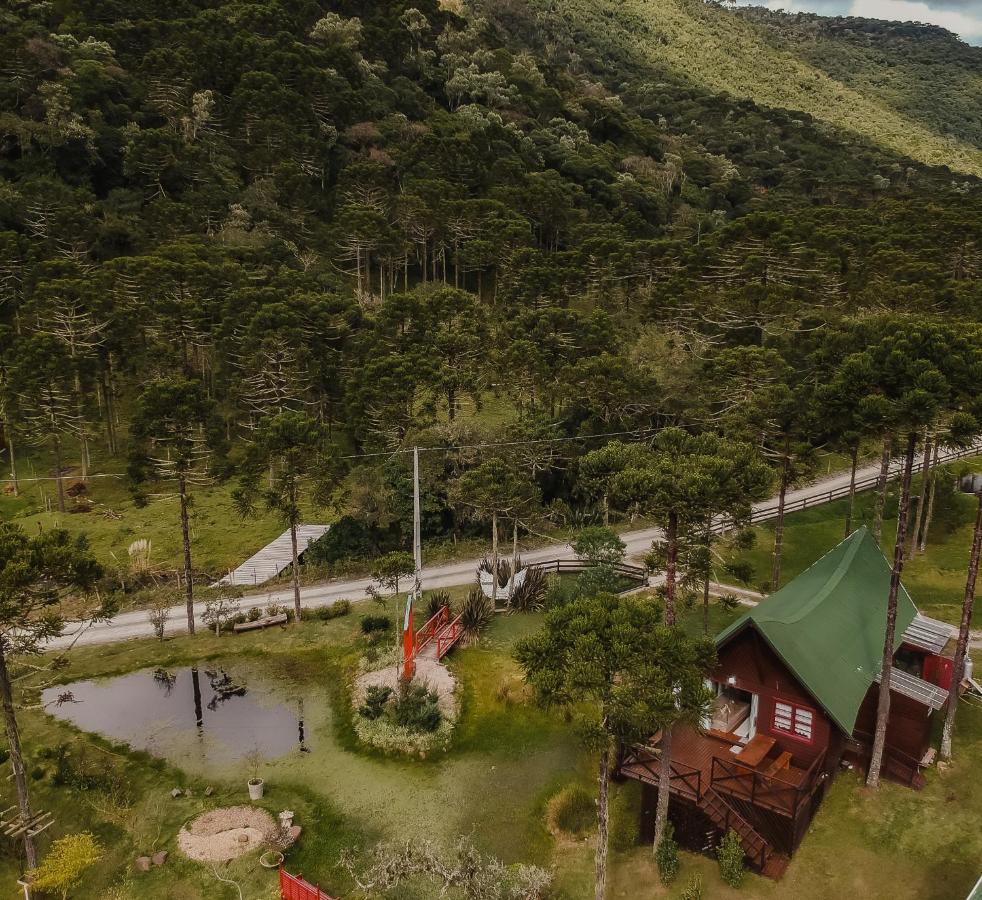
(476,613)
(435,602)
(530,595)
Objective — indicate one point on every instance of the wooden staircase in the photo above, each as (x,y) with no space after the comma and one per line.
(725,817)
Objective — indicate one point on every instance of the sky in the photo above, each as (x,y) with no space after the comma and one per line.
(963,17)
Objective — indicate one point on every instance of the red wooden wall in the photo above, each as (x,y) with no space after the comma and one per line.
(759,670)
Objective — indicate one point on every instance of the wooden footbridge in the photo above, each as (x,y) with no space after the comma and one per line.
(433,641)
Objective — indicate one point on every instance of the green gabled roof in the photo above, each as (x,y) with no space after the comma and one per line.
(827,625)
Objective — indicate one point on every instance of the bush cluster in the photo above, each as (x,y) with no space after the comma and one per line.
(334,611)
(573,810)
(370,624)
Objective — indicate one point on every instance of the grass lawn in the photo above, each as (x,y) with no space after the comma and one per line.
(507,759)
(220,537)
(935,580)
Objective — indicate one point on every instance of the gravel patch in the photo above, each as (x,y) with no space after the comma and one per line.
(216,836)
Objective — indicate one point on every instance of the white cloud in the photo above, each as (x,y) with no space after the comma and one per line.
(967,25)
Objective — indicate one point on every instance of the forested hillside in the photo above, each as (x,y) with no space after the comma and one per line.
(921,71)
(912,89)
(415,224)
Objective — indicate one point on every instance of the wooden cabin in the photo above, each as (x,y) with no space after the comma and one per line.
(796,689)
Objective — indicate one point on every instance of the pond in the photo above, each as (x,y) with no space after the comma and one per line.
(216,714)
(491,791)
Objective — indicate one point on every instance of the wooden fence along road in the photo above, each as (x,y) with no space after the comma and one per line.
(135,624)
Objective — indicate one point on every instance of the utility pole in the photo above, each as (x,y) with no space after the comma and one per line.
(408,637)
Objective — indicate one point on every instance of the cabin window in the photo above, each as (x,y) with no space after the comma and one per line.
(795,721)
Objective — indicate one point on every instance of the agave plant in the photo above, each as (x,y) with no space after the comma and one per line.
(504,570)
(476,613)
(530,595)
(435,602)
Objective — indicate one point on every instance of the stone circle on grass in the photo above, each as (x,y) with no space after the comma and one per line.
(223,834)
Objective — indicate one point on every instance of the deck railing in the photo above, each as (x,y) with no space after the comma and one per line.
(685,779)
(772,791)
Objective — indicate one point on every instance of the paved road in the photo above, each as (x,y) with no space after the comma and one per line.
(135,625)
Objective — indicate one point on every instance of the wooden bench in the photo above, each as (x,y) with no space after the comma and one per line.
(263,622)
(782,762)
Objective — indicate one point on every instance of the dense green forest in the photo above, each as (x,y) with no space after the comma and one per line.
(435,224)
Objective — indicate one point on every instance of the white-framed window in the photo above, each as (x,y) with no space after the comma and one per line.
(795,721)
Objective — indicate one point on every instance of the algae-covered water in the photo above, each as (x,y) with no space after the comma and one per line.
(199,721)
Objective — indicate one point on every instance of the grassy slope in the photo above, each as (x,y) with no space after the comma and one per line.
(723,52)
(936,580)
(930,76)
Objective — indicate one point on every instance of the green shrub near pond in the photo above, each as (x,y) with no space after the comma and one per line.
(371,624)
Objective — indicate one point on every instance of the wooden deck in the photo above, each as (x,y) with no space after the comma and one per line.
(701,762)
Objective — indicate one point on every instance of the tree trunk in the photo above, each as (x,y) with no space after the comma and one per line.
(186,542)
(514,560)
(13,459)
(494,557)
(603,818)
(961,649)
(672,541)
(664,786)
(779,525)
(296,571)
(928,515)
(851,506)
(883,703)
(16,758)
(58,479)
(913,533)
(705,582)
(881,487)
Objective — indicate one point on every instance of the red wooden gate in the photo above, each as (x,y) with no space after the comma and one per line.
(293,887)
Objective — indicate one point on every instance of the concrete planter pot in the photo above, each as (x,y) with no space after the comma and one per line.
(256,786)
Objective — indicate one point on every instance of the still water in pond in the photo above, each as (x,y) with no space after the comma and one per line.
(214,713)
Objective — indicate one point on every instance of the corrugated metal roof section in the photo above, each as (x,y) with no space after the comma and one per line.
(928,634)
(917,689)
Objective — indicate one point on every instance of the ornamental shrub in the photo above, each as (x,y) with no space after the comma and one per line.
(375,699)
(417,708)
(667,855)
(693,890)
(730,859)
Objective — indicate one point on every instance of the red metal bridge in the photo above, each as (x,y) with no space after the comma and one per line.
(436,637)
(432,641)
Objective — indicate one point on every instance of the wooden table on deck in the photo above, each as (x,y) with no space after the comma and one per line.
(756,750)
